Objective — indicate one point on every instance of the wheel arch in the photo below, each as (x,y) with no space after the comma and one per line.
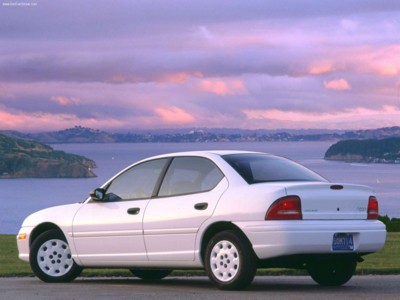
(215,228)
(43,228)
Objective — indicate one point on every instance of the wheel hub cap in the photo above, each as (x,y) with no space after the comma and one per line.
(54,258)
(224,261)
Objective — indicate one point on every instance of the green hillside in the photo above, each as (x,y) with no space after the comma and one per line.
(23,159)
(366,151)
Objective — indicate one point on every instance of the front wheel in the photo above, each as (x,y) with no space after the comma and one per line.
(334,272)
(51,258)
(229,261)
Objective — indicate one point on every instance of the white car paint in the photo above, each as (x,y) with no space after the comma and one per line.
(168,232)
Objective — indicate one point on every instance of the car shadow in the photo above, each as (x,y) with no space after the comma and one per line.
(260,284)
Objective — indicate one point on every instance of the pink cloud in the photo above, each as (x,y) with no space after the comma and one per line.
(66,101)
(384,60)
(337,84)
(222,87)
(342,119)
(174,115)
(178,77)
(50,122)
(321,69)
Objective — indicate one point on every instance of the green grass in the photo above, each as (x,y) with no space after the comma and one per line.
(386,261)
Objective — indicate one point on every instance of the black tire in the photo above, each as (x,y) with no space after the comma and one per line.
(50,258)
(150,274)
(333,272)
(229,261)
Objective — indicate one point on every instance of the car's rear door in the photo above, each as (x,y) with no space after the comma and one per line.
(187,197)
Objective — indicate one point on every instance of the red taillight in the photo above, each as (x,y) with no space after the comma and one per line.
(286,208)
(373,208)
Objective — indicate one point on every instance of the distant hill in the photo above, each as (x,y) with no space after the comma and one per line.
(366,151)
(23,159)
(80,134)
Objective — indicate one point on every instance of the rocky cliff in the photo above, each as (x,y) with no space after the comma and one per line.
(24,159)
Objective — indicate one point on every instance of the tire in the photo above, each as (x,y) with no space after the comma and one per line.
(230,262)
(50,258)
(333,272)
(150,275)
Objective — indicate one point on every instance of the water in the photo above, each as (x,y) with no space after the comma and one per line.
(20,197)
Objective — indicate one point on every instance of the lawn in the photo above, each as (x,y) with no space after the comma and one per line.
(386,261)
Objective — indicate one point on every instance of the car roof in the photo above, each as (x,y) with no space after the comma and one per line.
(206,153)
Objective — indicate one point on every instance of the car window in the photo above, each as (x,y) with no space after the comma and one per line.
(137,182)
(188,175)
(255,168)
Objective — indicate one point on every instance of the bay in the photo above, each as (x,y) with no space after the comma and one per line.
(21,197)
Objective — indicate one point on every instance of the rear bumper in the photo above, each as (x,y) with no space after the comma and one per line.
(280,238)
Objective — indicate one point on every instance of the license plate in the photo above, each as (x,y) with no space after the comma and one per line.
(342,242)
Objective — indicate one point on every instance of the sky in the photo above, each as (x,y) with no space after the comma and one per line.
(139,64)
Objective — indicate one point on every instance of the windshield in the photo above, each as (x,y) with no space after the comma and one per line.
(256,168)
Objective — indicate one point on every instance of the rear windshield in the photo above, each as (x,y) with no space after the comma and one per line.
(256,168)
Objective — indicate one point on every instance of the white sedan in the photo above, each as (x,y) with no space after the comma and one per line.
(228,212)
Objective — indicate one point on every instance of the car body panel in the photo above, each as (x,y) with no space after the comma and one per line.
(171,223)
(279,238)
(324,201)
(106,232)
(168,232)
(60,216)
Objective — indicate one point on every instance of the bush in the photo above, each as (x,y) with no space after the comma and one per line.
(392,225)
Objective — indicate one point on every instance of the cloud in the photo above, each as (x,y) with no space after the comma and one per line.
(321,69)
(174,115)
(222,87)
(50,122)
(199,63)
(65,101)
(385,116)
(337,84)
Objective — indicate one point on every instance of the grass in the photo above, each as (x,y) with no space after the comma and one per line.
(386,261)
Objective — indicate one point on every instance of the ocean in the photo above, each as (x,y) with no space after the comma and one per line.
(21,197)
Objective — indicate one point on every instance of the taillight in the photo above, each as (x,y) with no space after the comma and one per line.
(286,208)
(373,208)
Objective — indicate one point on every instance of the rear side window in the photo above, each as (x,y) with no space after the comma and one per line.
(256,168)
(187,175)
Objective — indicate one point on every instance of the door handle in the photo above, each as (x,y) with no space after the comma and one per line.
(201,206)
(133,211)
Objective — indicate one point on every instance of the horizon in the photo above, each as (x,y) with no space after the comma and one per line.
(161,65)
(219,130)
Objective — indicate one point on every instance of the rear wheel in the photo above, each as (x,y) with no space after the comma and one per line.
(229,261)
(332,272)
(51,258)
(149,275)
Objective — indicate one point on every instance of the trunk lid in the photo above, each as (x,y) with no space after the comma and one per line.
(331,201)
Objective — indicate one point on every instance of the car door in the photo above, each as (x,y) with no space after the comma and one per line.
(109,232)
(187,197)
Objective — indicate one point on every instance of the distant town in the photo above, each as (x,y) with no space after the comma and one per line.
(79,134)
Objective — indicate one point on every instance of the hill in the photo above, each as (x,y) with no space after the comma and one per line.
(366,151)
(23,159)
(80,134)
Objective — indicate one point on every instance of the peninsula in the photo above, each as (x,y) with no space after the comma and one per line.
(366,151)
(30,159)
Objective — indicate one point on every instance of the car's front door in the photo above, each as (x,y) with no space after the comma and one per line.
(110,232)
(187,197)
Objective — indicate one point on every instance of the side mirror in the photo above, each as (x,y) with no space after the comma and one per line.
(98,194)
